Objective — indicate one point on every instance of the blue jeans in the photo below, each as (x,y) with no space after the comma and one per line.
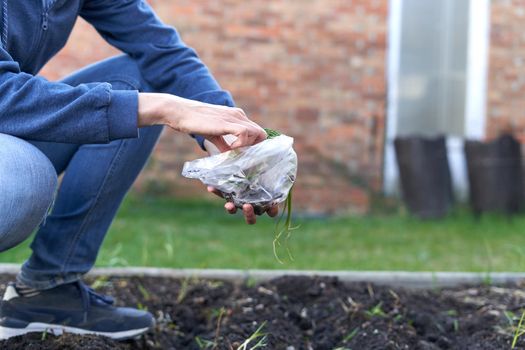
(96,179)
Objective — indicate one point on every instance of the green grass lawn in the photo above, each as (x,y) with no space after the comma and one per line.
(198,234)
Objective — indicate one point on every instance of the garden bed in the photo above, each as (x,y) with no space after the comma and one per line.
(299,312)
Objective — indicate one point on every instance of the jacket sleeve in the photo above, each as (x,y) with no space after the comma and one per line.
(164,60)
(33,108)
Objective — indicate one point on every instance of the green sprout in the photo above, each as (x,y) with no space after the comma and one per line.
(510,316)
(451,312)
(143,291)
(101,281)
(183,290)
(287,228)
(222,311)
(141,306)
(258,336)
(376,311)
(455,322)
(520,330)
(351,335)
(251,282)
(456,325)
(272,133)
(203,343)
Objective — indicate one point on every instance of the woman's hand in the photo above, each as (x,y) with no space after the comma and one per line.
(210,121)
(247,209)
(188,116)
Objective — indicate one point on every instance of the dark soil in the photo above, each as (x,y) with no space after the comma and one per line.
(304,313)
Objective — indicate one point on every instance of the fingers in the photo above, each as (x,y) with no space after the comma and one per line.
(214,191)
(273,211)
(213,121)
(242,116)
(230,207)
(219,142)
(247,135)
(200,118)
(262,137)
(249,214)
(247,131)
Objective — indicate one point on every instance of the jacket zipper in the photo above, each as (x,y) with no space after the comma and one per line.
(46,6)
(45,16)
(43,26)
(5,25)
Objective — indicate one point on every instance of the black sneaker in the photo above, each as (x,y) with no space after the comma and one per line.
(71,308)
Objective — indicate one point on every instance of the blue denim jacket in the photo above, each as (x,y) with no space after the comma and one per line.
(32,31)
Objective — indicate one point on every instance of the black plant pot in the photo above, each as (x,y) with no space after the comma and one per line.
(425,175)
(495,175)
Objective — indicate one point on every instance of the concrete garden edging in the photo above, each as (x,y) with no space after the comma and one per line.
(392,278)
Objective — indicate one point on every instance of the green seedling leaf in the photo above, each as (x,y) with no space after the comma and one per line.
(44,335)
(184,288)
(510,316)
(271,133)
(144,292)
(203,343)
(398,318)
(451,312)
(520,330)
(218,312)
(140,306)
(456,325)
(351,335)
(251,282)
(101,281)
(222,311)
(284,230)
(258,336)
(376,311)
(215,284)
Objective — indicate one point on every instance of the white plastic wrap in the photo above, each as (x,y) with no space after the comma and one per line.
(261,175)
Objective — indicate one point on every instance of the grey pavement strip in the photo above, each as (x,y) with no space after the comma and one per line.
(390,278)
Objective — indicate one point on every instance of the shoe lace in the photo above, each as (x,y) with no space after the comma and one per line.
(88,294)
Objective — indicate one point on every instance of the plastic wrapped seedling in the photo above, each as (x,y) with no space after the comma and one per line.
(261,175)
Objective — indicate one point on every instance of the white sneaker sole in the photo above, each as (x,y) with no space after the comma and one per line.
(6,332)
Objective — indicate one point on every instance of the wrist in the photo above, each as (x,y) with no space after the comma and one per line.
(152,109)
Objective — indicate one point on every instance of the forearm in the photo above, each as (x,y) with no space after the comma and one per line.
(189,116)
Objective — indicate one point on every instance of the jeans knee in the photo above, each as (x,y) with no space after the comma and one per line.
(28,182)
(121,71)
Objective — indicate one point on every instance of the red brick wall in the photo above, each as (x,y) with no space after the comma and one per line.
(313,69)
(506,86)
